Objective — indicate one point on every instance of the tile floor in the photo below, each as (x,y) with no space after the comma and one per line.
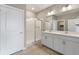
(36,50)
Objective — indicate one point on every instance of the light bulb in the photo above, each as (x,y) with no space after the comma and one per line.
(33,8)
(49,13)
(52,12)
(69,7)
(64,9)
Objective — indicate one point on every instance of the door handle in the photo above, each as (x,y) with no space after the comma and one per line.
(45,37)
(21,32)
(64,42)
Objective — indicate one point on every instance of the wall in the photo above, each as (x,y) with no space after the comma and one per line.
(20,6)
(29,14)
(69,16)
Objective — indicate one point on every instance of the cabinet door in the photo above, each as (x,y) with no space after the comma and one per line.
(50,41)
(71,48)
(47,40)
(58,44)
(44,39)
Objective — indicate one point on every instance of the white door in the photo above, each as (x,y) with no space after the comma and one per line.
(30,30)
(38,30)
(14,29)
(3,40)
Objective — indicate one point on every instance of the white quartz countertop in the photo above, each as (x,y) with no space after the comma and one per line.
(73,34)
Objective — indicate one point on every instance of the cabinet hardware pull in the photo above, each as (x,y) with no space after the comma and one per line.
(64,42)
(45,37)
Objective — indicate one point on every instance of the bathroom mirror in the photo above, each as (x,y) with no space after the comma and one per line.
(73,25)
(60,25)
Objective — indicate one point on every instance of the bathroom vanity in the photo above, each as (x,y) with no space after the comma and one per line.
(63,42)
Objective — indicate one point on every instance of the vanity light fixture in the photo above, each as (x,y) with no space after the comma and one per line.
(69,7)
(33,8)
(64,9)
(51,13)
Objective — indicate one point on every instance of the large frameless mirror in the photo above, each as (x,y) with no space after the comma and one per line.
(73,25)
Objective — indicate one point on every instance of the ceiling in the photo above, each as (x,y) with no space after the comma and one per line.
(20,6)
(37,7)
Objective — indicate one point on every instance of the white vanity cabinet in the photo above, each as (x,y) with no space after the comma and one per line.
(63,43)
(47,40)
(53,41)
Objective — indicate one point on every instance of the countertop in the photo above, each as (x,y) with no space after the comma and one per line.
(73,34)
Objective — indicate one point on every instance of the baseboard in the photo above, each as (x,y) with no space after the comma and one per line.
(31,44)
